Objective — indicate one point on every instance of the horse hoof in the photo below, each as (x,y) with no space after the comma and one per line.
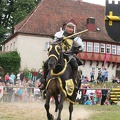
(51,117)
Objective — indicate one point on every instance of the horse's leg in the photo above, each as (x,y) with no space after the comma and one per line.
(60,107)
(70,110)
(47,106)
(56,106)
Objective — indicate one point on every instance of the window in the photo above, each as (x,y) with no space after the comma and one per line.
(96,47)
(11,47)
(108,48)
(89,46)
(46,45)
(113,49)
(102,48)
(84,46)
(118,50)
(14,46)
(7,48)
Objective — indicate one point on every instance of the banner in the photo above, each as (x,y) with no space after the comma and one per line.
(1,92)
(106,59)
(112,19)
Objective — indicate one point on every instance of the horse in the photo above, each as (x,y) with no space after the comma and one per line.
(59,82)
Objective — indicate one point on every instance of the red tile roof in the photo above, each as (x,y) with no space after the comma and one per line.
(50,15)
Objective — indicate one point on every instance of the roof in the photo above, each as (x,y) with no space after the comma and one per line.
(50,15)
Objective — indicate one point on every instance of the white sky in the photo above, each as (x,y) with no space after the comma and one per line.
(100,2)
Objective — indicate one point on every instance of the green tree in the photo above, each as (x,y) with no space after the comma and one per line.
(12,12)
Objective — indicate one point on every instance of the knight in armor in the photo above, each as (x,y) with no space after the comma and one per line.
(71,46)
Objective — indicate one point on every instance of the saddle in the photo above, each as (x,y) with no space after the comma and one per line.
(68,56)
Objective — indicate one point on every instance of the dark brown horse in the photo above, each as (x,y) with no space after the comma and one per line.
(59,73)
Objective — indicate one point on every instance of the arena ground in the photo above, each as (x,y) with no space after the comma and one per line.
(36,111)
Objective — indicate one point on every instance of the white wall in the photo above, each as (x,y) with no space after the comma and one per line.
(32,51)
(11,45)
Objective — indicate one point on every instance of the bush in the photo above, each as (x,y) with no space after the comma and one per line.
(10,62)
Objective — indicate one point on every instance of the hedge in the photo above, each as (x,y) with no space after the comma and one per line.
(10,62)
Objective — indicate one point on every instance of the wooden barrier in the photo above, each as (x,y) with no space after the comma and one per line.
(115,94)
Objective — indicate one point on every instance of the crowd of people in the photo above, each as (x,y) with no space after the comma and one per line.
(92,96)
(91,91)
(102,76)
(21,88)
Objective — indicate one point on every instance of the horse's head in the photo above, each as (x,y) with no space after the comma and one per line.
(54,54)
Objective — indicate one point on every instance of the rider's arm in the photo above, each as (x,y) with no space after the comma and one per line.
(78,43)
(58,36)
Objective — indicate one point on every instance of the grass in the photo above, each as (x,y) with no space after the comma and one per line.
(110,112)
(108,84)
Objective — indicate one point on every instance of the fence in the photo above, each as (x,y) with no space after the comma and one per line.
(11,94)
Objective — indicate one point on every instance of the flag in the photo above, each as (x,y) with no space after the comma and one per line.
(1,92)
(106,59)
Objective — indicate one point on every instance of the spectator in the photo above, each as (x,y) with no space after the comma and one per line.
(86,79)
(106,102)
(103,73)
(36,92)
(115,79)
(82,79)
(26,96)
(83,89)
(12,76)
(40,74)
(31,98)
(9,92)
(22,76)
(6,78)
(18,76)
(98,95)
(88,102)
(16,93)
(106,76)
(90,93)
(28,89)
(34,75)
(29,75)
(92,74)
(95,99)
(104,94)
(99,77)
(20,93)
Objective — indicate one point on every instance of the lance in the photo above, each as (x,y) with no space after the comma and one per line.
(81,32)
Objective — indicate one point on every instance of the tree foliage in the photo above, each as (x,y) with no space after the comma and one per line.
(10,62)
(12,12)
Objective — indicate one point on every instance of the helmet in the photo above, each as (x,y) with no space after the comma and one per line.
(71,25)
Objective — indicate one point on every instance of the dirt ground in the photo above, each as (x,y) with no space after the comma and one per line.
(36,111)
